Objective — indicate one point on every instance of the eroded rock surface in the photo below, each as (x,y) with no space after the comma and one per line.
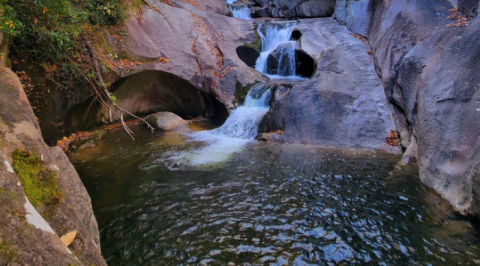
(32,239)
(343,104)
(440,88)
(200,47)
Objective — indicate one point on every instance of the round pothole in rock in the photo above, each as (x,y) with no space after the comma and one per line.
(296,35)
(304,64)
(248,55)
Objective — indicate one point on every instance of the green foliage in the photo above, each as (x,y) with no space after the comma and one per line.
(40,184)
(53,33)
(8,254)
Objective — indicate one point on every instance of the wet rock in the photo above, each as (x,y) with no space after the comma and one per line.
(343,105)
(168,121)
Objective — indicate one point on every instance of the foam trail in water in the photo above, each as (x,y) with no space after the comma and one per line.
(240,128)
(240,11)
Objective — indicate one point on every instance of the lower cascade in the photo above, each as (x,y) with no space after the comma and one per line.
(277,46)
(240,128)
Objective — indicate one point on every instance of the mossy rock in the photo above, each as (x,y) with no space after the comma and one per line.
(8,254)
(39,183)
(241,91)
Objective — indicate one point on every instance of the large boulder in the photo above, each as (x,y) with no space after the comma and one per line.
(296,8)
(343,104)
(440,88)
(197,46)
(31,235)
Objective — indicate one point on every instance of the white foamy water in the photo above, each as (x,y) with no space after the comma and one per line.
(240,128)
(240,11)
(277,35)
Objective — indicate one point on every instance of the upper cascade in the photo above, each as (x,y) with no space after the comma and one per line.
(276,43)
(239,11)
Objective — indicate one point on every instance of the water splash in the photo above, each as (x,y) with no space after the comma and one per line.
(240,128)
(275,38)
(240,11)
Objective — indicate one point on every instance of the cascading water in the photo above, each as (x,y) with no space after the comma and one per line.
(275,38)
(240,128)
(240,11)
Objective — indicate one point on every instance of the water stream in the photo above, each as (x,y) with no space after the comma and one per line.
(239,11)
(219,144)
(276,43)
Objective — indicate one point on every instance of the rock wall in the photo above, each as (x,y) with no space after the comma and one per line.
(30,236)
(427,55)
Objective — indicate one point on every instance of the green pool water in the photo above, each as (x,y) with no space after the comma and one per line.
(268,204)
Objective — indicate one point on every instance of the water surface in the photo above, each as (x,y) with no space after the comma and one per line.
(268,204)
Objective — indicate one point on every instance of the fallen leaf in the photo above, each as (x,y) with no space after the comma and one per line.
(68,238)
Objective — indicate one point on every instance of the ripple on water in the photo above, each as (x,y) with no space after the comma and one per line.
(291,205)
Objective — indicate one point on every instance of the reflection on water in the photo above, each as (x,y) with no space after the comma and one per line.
(269,204)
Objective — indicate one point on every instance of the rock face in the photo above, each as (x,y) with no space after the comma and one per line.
(343,104)
(428,66)
(355,14)
(440,87)
(200,47)
(30,238)
(296,8)
(189,63)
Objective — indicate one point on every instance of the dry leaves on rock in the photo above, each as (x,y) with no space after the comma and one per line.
(393,139)
(68,238)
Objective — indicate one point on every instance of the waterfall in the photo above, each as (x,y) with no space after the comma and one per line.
(275,38)
(240,11)
(240,128)
(286,59)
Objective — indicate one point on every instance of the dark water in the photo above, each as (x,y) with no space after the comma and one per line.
(271,204)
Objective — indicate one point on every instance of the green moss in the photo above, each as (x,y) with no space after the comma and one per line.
(40,184)
(241,92)
(99,134)
(8,254)
(257,44)
(136,4)
(152,120)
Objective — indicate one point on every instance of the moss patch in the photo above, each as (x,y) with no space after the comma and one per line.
(152,120)
(257,44)
(241,92)
(8,254)
(40,184)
